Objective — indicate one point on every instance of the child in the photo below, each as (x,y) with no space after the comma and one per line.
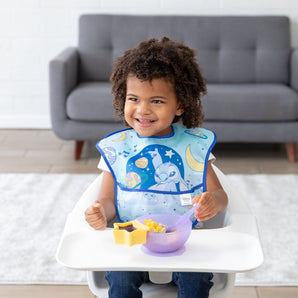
(157,165)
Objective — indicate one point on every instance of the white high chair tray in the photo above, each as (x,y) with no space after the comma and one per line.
(234,248)
(215,250)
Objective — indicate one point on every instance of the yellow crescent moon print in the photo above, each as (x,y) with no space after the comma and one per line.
(122,137)
(193,164)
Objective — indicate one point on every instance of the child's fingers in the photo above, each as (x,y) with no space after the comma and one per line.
(95,216)
(94,208)
(96,221)
(207,207)
(205,216)
(97,224)
(204,202)
(196,199)
(96,205)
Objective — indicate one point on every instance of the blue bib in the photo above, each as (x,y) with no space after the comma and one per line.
(157,174)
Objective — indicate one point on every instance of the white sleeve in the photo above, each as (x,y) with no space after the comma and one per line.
(103,166)
(212,158)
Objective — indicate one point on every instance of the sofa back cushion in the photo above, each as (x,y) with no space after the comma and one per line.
(230,49)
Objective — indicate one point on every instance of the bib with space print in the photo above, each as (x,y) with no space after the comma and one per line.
(157,174)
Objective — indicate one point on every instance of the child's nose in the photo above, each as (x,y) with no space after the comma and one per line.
(144,108)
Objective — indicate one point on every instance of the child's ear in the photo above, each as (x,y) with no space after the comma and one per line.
(180,110)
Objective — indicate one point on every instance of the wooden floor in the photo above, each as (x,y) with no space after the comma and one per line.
(39,151)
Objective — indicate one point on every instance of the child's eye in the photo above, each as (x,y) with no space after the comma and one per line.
(132,99)
(157,101)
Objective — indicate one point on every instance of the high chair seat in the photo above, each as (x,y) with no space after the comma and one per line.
(224,251)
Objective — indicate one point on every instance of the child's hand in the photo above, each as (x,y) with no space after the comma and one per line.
(95,216)
(207,206)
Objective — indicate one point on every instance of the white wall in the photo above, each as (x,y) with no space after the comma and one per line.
(34,31)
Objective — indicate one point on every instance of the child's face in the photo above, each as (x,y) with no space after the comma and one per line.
(151,107)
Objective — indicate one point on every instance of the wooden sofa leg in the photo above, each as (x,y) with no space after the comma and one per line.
(291,152)
(78,149)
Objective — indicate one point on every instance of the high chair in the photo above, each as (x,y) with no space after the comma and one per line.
(224,251)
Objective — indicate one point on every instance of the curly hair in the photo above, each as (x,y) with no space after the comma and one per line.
(164,58)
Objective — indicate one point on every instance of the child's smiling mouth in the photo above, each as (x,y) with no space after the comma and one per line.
(144,122)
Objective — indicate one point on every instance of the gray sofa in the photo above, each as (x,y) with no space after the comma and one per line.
(250,68)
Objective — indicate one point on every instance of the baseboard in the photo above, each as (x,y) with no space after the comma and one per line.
(25,122)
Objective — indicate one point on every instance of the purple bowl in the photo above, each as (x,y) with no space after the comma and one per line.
(166,242)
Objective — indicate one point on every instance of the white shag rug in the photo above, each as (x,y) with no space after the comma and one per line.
(34,207)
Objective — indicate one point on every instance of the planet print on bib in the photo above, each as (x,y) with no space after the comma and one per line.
(141,162)
(132,180)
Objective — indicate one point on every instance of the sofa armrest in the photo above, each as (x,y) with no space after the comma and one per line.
(294,69)
(63,77)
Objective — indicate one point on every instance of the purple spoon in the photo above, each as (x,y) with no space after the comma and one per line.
(182,219)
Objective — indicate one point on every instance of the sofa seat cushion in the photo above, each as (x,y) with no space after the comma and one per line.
(250,102)
(91,101)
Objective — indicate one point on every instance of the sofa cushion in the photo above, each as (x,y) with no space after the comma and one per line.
(230,49)
(250,102)
(91,101)
(224,102)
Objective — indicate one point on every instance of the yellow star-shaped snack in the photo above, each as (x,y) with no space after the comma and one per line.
(130,233)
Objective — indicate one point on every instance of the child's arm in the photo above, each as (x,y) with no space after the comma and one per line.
(212,201)
(103,210)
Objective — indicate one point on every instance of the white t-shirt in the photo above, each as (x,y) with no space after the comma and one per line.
(103,166)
